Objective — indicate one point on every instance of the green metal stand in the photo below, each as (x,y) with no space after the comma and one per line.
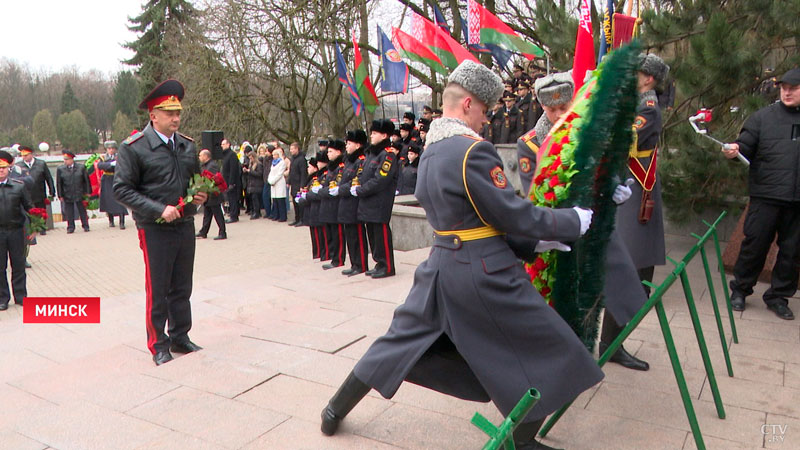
(504,434)
(721,267)
(655,301)
(713,297)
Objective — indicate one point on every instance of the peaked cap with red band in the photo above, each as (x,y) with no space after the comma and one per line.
(25,150)
(166,96)
(6,160)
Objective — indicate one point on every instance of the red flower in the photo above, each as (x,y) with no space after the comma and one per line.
(85,203)
(550,196)
(181,204)
(555,149)
(539,179)
(557,163)
(207,174)
(47,201)
(219,181)
(539,264)
(554,181)
(545,291)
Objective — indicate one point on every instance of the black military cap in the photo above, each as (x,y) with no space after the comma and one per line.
(424,121)
(397,146)
(357,136)
(337,144)
(424,128)
(415,148)
(508,96)
(166,96)
(25,150)
(313,161)
(409,115)
(322,142)
(68,153)
(524,84)
(406,127)
(6,160)
(791,77)
(322,157)
(508,82)
(384,126)
(396,132)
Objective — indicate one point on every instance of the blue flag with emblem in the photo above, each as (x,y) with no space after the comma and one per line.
(347,81)
(394,72)
(438,18)
(606,36)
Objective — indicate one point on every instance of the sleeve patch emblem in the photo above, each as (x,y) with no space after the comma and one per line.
(525,165)
(385,167)
(639,122)
(498,177)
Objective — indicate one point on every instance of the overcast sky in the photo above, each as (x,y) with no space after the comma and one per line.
(52,34)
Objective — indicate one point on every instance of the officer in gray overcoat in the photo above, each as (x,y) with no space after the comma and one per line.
(472,325)
(109,205)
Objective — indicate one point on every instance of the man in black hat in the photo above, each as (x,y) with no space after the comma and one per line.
(43,186)
(408,172)
(407,139)
(319,231)
(73,184)
(108,205)
(154,167)
(14,201)
(505,122)
(409,118)
(769,139)
(376,190)
(354,230)
(529,108)
(520,76)
(329,204)
(427,113)
(232,173)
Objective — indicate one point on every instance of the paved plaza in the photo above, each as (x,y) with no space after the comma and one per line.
(280,334)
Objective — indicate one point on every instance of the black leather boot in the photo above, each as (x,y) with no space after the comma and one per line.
(525,434)
(346,398)
(610,332)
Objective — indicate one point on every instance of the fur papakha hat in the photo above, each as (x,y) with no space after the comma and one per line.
(554,89)
(478,80)
(653,65)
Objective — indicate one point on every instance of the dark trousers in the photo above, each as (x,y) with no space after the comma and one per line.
(233,196)
(266,200)
(216,212)
(279,209)
(12,247)
(69,212)
(380,241)
(298,209)
(255,204)
(111,218)
(315,242)
(168,266)
(356,236)
(765,219)
(336,243)
(322,238)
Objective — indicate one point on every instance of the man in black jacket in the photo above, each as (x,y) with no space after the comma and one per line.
(375,193)
(232,173)
(298,176)
(154,167)
(354,230)
(42,179)
(73,185)
(770,139)
(329,204)
(213,206)
(14,198)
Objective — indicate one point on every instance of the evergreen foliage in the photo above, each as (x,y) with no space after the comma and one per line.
(69,102)
(74,132)
(126,94)
(122,127)
(44,127)
(21,135)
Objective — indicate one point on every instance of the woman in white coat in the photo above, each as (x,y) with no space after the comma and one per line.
(278,184)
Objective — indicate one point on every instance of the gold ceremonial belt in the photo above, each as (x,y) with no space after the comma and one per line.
(643,153)
(107,172)
(472,234)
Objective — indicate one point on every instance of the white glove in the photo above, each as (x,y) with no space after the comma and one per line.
(354,191)
(334,191)
(622,193)
(303,195)
(543,246)
(315,189)
(113,164)
(585,216)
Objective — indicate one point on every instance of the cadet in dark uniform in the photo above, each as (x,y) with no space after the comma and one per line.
(355,231)
(408,173)
(407,139)
(14,202)
(154,167)
(73,183)
(640,221)
(622,292)
(213,206)
(108,205)
(311,171)
(472,325)
(318,229)
(529,108)
(378,182)
(329,205)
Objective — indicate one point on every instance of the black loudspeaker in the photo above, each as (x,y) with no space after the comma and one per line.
(212,140)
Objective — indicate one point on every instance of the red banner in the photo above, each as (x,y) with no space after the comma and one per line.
(61,310)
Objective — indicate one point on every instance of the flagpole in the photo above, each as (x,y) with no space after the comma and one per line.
(397,104)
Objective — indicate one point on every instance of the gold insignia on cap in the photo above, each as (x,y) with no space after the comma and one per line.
(171,103)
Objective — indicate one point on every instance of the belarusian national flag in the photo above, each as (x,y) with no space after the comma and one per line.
(486,28)
(362,82)
(416,50)
(450,52)
(584,47)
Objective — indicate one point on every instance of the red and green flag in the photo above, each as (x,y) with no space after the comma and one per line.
(584,60)
(486,28)
(449,51)
(416,50)
(362,82)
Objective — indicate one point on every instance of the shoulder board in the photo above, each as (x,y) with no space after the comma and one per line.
(341,164)
(474,138)
(16,180)
(362,157)
(133,138)
(186,137)
(413,138)
(529,135)
(651,103)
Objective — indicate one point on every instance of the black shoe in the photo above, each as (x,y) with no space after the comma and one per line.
(27,265)
(294,224)
(3,306)
(781,311)
(231,220)
(70,231)
(331,266)
(185,347)
(343,401)
(369,272)
(19,302)
(162,357)
(221,237)
(122,226)
(111,225)
(43,233)
(382,274)
(200,236)
(86,230)
(349,271)
(737,301)
(254,217)
(625,359)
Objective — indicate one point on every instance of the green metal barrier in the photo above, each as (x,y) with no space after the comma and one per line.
(504,434)
(655,301)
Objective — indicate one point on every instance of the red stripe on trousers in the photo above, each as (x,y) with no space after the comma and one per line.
(315,236)
(151,330)
(386,247)
(361,247)
(325,235)
(340,258)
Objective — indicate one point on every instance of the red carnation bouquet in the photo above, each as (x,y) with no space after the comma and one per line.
(38,220)
(210,183)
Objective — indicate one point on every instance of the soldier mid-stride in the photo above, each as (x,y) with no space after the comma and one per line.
(472,325)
